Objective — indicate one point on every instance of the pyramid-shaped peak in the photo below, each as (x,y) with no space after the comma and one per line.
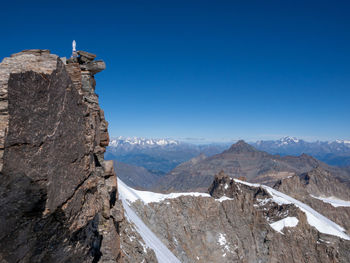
(241,147)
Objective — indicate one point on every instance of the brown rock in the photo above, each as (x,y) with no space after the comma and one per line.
(86,57)
(56,203)
(204,229)
(319,183)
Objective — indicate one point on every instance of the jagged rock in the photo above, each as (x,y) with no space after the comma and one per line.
(133,247)
(57,197)
(234,225)
(94,67)
(85,57)
(319,183)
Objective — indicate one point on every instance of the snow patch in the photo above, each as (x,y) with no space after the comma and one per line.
(333,201)
(315,219)
(223,242)
(163,254)
(222,239)
(132,195)
(223,198)
(285,222)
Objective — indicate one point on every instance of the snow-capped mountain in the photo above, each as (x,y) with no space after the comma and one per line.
(288,141)
(136,141)
(165,154)
(323,146)
(346,142)
(332,152)
(157,154)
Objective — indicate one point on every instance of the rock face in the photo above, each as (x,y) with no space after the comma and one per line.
(133,246)
(234,224)
(58,195)
(319,183)
(240,160)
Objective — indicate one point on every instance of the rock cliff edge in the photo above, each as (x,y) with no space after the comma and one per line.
(59,199)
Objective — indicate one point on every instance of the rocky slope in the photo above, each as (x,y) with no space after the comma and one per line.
(58,195)
(241,160)
(240,222)
(135,176)
(322,191)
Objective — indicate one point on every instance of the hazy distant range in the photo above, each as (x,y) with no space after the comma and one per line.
(159,156)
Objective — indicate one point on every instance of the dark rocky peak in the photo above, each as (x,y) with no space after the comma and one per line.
(220,185)
(241,147)
(315,173)
(59,198)
(224,185)
(317,182)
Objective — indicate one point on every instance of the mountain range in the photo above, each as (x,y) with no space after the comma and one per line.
(154,158)
(157,155)
(241,160)
(331,152)
(162,155)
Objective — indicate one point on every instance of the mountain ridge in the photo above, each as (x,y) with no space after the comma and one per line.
(241,160)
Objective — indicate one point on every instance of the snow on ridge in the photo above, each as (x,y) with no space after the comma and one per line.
(223,198)
(163,254)
(285,222)
(133,195)
(336,202)
(315,219)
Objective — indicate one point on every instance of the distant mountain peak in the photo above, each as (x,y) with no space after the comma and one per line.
(346,142)
(241,147)
(288,140)
(138,141)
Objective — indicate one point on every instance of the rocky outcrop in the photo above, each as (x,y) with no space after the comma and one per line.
(319,183)
(236,224)
(58,195)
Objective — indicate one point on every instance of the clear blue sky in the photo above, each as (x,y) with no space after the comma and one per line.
(203,69)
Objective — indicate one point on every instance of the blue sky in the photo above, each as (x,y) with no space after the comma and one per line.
(218,70)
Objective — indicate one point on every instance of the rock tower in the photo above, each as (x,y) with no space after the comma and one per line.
(59,199)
